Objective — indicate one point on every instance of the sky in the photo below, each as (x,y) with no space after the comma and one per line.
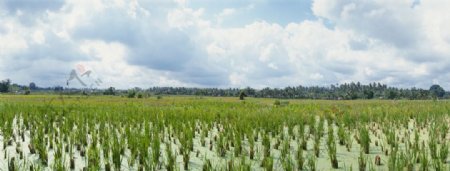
(228,43)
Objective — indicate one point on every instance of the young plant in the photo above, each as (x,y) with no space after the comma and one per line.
(58,158)
(287,164)
(438,165)
(93,158)
(444,130)
(116,155)
(341,135)
(300,158)
(170,158)
(362,161)
(393,161)
(348,142)
(221,146)
(316,145)
(331,144)
(267,163)
(443,152)
(244,166)
(312,163)
(12,165)
(186,159)
(304,143)
(207,166)
(238,146)
(156,150)
(364,139)
(432,145)
(251,146)
(266,145)
(285,150)
(424,162)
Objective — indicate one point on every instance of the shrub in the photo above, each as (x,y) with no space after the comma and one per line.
(281,103)
(242,95)
(277,103)
(131,93)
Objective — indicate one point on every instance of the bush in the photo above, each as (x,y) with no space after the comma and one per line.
(139,96)
(281,103)
(277,103)
(242,95)
(131,94)
(110,91)
(5,86)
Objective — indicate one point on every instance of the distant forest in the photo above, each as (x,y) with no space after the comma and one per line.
(347,91)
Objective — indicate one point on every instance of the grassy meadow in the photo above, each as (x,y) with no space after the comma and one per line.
(53,132)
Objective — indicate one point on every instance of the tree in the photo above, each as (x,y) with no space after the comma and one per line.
(27,90)
(249,91)
(110,91)
(368,94)
(242,95)
(32,86)
(200,92)
(5,86)
(131,93)
(390,94)
(351,95)
(337,91)
(58,88)
(436,91)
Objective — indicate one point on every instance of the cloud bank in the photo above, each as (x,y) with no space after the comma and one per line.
(149,43)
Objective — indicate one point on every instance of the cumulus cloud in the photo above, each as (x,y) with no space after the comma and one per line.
(179,43)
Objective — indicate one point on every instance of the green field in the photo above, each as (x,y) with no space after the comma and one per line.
(51,132)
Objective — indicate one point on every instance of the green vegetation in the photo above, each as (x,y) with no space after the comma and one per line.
(50,132)
(346,91)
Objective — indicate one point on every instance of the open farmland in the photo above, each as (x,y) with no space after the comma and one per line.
(50,132)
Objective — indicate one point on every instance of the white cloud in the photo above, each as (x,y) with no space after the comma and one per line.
(152,42)
(227,12)
(316,76)
(186,17)
(38,37)
(224,14)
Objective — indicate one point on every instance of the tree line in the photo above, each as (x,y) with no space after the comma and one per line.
(347,91)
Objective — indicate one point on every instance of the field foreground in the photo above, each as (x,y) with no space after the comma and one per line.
(46,132)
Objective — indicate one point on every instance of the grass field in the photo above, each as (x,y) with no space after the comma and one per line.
(51,132)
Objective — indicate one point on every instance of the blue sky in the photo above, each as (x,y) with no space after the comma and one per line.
(233,43)
(282,12)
